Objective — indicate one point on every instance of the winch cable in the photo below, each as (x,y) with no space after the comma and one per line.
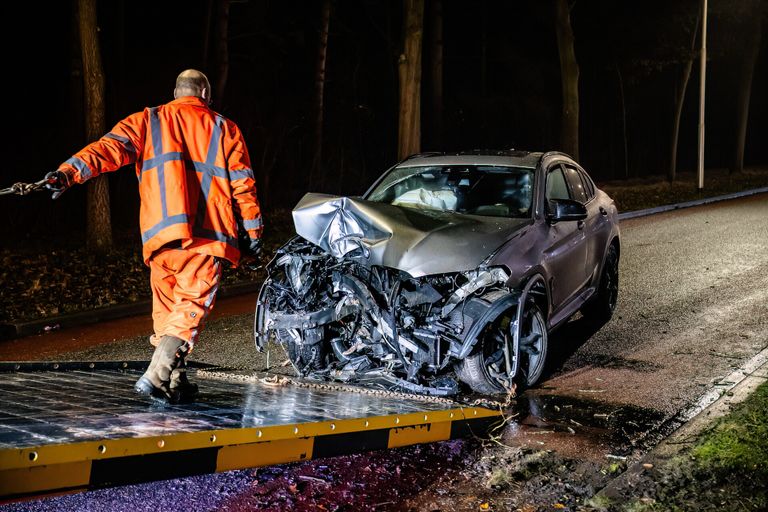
(285,380)
(23,189)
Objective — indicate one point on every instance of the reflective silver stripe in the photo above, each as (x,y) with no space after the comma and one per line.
(175,156)
(252,223)
(219,172)
(161,159)
(240,174)
(157,136)
(157,146)
(215,142)
(208,302)
(168,221)
(207,178)
(81,166)
(209,234)
(125,141)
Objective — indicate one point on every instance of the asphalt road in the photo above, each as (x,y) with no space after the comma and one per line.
(693,289)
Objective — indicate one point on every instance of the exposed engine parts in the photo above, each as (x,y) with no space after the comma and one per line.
(343,320)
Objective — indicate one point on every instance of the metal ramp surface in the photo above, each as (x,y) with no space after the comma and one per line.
(76,426)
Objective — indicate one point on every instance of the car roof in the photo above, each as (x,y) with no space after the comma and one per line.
(479,157)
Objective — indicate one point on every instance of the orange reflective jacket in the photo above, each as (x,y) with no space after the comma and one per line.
(194,176)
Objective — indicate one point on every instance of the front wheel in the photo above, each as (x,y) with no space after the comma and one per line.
(485,369)
(306,357)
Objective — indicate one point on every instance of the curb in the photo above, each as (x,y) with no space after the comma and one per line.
(688,204)
(142,307)
(33,327)
(711,406)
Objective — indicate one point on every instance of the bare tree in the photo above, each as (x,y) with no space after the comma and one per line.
(409,129)
(99,222)
(222,52)
(569,77)
(322,53)
(623,120)
(207,33)
(681,88)
(436,72)
(746,70)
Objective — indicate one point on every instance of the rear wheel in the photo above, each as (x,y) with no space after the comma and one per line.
(485,369)
(600,309)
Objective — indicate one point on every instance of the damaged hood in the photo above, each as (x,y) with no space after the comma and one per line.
(419,242)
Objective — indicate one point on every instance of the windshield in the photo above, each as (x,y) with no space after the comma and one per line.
(493,191)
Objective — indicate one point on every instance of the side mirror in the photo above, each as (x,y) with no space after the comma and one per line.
(565,210)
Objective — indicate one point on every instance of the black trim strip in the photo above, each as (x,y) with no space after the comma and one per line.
(157,466)
(351,442)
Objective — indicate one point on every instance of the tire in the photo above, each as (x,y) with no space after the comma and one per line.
(304,357)
(479,370)
(600,308)
(259,314)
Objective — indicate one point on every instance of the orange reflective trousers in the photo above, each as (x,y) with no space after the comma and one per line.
(184,285)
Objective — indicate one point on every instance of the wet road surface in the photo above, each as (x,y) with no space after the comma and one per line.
(694,284)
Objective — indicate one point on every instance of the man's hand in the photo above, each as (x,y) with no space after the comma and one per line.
(250,251)
(58,183)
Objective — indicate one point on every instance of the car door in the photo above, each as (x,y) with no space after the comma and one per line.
(597,226)
(566,251)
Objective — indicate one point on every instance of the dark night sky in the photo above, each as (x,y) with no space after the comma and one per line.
(269,93)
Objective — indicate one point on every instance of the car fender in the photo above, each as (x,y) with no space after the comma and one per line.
(515,297)
(492,310)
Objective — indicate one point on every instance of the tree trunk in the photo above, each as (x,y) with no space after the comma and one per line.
(743,94)
(623,122)
(222,53)
(685,75)
(436,73)
(322,52)
(409,133)
(207,34)
(99,223)
(569,77)
(484,51)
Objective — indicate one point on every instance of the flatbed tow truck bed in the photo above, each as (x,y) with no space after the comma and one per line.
(73,426)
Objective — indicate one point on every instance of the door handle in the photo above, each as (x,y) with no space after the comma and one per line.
(603,212)
(580,224)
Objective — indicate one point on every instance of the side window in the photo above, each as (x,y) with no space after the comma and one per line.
(577,186)
(589,187)
(556,187)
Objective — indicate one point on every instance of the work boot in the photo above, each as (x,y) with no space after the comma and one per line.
(180,386)
(166,358)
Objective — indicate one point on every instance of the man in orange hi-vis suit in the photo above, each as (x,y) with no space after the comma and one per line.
(198,201)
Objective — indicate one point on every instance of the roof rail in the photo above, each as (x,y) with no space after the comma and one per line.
(495,152)
(425,154)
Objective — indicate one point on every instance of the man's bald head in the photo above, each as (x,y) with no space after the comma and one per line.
(192,82)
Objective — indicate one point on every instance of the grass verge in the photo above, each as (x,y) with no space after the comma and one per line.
(727,469)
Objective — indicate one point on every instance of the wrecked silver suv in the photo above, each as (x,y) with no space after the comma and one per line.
(451,268)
